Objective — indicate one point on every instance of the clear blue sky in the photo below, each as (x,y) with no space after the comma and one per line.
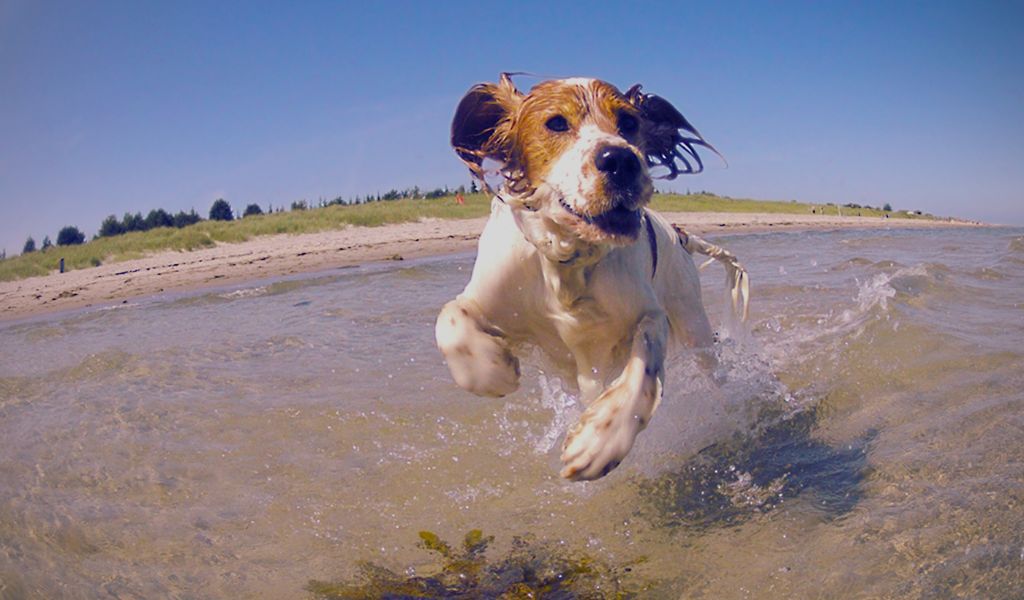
(109,107)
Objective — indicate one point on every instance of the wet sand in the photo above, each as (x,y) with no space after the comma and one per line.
(274,256)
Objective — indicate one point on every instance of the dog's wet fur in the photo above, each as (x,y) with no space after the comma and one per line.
(573,261)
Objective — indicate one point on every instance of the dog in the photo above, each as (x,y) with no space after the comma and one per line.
(572,261)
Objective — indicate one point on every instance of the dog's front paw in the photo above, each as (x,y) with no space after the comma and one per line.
(601,439)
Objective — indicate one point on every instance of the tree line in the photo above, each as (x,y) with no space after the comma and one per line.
(220,210)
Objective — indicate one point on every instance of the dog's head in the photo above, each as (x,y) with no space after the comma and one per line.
(577,150)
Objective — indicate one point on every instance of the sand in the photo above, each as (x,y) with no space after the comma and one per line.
(275,256)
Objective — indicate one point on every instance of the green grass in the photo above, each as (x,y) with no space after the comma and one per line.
(209,233)
(713,203)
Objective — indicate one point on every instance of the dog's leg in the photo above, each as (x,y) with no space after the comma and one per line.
(690,323)
(476,352)
(606,430)
(693,330)
(589,378)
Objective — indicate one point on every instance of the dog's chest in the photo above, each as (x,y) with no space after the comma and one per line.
(582,305)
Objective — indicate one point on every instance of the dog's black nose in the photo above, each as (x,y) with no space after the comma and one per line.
(620,164)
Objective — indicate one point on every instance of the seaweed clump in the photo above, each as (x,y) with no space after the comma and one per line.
(527,571)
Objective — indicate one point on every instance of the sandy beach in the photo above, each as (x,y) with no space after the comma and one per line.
(274,256)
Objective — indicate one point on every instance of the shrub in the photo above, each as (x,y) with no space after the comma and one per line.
(887,207)
(299,205)
(252,209)
(70,236)
(46,242)
(30,246)
(221,211)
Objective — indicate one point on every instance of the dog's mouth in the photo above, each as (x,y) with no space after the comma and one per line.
(619,220)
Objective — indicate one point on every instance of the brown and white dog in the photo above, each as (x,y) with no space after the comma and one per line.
(572,261)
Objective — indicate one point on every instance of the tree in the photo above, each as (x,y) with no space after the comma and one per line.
(299,205)
(132,222)
(887,207)
(30,246)
(110,227)
(70,236)
(46,242)
(252,209)
(184,219)
(221,211)
(159,218)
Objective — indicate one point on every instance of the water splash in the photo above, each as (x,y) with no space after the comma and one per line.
(563,405)
(878,297)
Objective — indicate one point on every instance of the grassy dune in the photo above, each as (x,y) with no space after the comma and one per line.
(209,233)
(709,203)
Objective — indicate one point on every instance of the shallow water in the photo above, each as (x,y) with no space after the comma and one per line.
(867,440)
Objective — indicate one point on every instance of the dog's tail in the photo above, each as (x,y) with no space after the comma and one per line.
(737,282)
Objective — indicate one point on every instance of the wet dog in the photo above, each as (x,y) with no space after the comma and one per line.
(572,261)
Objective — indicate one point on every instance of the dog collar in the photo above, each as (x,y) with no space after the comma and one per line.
(653,241)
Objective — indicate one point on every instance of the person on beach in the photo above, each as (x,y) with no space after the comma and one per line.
(459,199)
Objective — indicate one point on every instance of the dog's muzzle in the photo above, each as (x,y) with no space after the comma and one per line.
(619,220)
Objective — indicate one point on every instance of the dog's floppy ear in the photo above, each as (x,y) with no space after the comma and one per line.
(481,126)
(666,132)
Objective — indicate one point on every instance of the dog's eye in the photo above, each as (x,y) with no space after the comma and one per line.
(557,124)
(628,124)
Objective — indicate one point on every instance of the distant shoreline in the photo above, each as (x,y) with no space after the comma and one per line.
(287,254)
